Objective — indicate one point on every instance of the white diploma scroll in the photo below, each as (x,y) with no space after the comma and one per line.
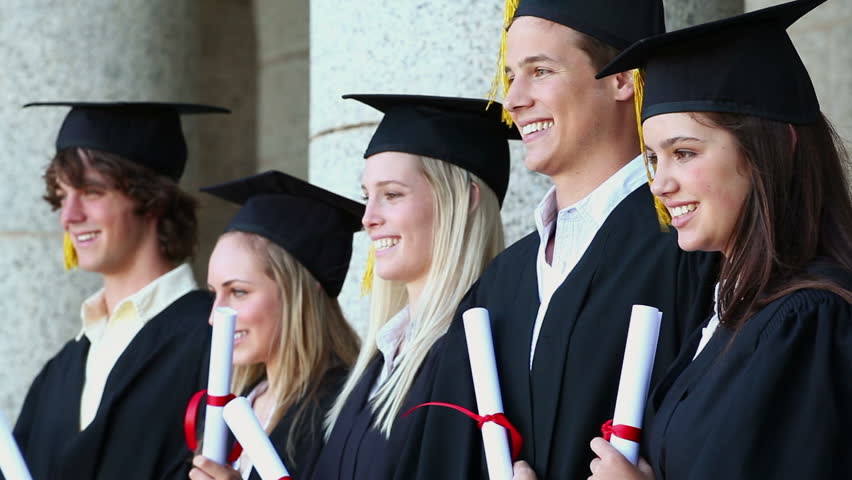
(215,445)
(11,461)
(635,379)
(486,383)
(243,422)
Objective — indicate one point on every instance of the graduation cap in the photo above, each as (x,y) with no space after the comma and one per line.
(465,132)
(745,64)
(146,133)
(311,223)
(617,23)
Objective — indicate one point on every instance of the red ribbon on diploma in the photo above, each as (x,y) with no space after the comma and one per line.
(190,420)
(621,431)
(515,438)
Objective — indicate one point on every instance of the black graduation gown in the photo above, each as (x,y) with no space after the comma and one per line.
(357,451)
(560,405)
(138,428)
(310,438)
(774,403)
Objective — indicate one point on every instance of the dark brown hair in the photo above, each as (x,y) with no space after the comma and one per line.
(157,195)
(798,210)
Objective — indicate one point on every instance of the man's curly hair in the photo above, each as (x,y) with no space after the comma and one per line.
(158,195)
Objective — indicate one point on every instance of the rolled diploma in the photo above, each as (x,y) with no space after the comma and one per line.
(11,461)
(639,354)
(215,445)
(486,384)
(243,422)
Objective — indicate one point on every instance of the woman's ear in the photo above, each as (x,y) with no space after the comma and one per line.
(474,196)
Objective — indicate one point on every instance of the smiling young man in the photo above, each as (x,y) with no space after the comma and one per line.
(560,299)
(110,404)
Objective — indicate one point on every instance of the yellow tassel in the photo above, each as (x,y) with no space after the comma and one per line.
(69,253)
(367,281)
(638,99)
(500,84)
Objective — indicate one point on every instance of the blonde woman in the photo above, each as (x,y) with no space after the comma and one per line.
(281,264)
(435,175)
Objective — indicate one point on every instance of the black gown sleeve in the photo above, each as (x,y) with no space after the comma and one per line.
(784,413)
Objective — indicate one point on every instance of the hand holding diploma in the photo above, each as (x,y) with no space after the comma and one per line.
(11,461)
(635,380)
(245,426)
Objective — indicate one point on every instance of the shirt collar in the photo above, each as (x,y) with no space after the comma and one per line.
(598,204)
(145,303)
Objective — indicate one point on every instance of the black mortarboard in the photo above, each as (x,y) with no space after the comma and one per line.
(745,64)
(617,23)
(461,131)
(147,133)
(311,223)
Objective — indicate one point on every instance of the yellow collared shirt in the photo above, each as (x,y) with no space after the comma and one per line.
(110,335)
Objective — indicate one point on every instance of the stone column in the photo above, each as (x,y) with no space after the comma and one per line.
(686,13)
(283,85)
(57,50)
(822,40)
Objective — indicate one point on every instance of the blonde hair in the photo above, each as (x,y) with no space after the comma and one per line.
(464,239)
(312,337)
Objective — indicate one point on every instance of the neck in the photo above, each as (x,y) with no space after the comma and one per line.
(580,179)
(414,290)
(141,271)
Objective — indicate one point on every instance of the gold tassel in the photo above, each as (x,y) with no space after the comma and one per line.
(638,99)
(69,253)
(500,84)
(367,281)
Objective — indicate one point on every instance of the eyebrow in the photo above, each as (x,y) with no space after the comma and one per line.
(229,282)
(532,59)
(671,141)
(386,182)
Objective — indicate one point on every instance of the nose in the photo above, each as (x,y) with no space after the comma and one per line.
(517,97)
(71,210)
(372,215)
(663,184)
(217,302)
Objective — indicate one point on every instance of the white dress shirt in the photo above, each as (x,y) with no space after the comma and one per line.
(110,334)
(708,331)
(576,227)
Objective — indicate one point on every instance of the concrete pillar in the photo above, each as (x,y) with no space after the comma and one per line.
(85,50)
(283,85)
(822,40)
(686,13)
(225,147)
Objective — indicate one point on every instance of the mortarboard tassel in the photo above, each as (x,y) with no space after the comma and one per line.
(638,98)
(367,281)
(69,253)
(500,84)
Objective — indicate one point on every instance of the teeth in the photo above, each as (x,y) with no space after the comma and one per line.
(86,236)
(239,335)
(536,126)
(682,210)
(384,243)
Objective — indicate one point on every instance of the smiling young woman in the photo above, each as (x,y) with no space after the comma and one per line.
(280,264)
(436,172)
(754,170)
